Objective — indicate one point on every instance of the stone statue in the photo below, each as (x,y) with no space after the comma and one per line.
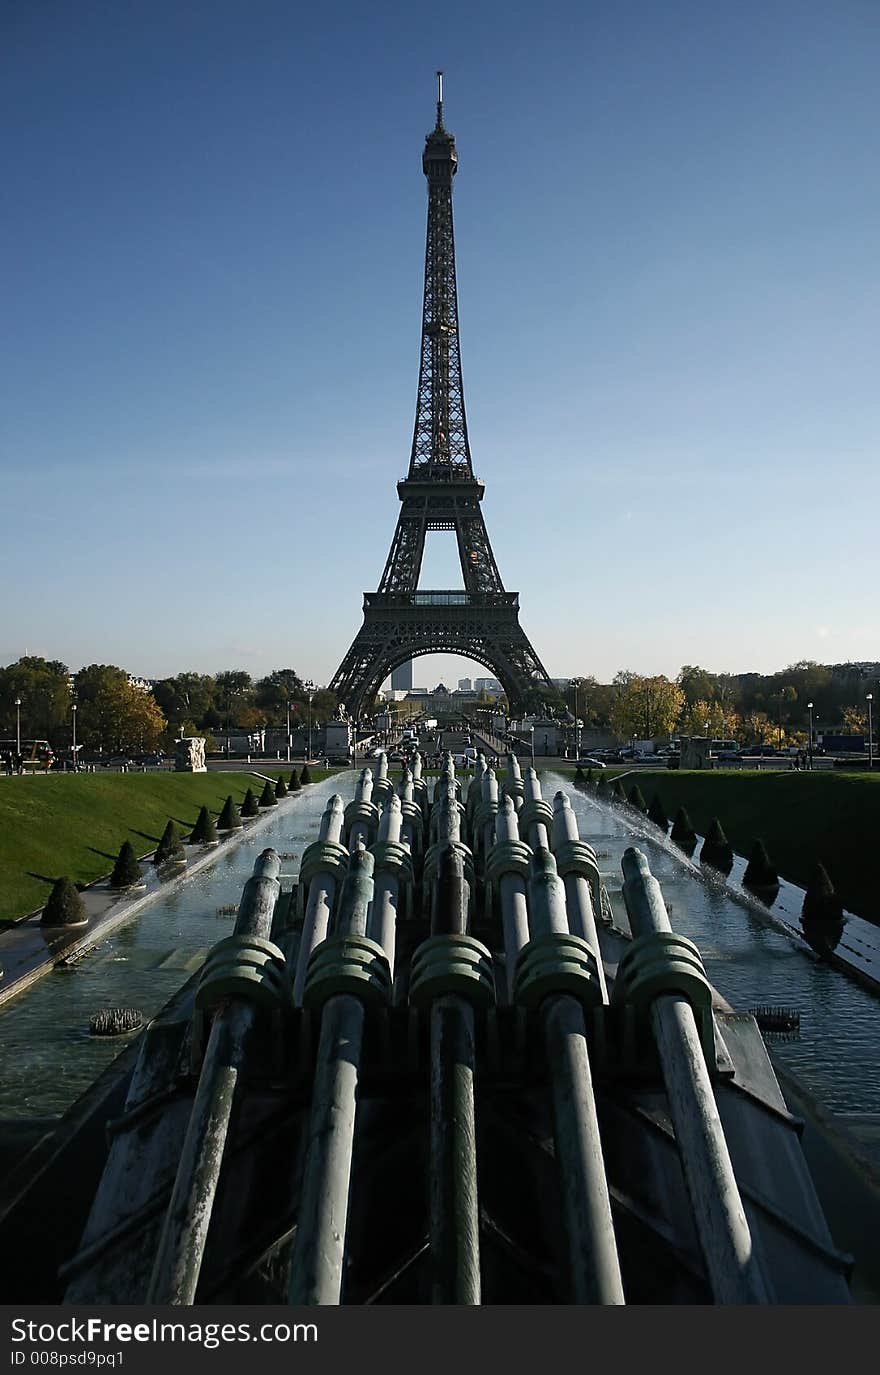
(189,755)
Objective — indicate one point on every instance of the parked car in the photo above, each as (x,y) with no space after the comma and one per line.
(729,753)
(589,761)
(765,751)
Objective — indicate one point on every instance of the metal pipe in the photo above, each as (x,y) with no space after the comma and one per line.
(512,894)
(490,795)
(454,1213)
(723,1230)
(319,1249)
(513,783)
(181,1249)
(578,895)
(538,837)
(386,885)
(322,895)
(592,1249)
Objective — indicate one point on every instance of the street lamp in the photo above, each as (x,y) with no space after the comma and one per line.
(310,689)
(576,682)
(227,725)
(288,732)
(532,741)
(870,700)
(18,725)
(810,750)
(73,720)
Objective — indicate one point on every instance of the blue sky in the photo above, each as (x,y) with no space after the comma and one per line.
(212,253)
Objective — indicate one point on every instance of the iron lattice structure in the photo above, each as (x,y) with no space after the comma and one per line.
(440,492)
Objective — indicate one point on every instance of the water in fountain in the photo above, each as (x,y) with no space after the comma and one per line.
(749,956)
(50,1058)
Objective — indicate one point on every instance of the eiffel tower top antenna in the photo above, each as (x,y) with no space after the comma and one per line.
(439,99)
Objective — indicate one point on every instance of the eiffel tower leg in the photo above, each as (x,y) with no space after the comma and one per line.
(483,628)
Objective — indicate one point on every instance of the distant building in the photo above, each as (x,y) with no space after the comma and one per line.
(465,685)
(402,677)
(488,685)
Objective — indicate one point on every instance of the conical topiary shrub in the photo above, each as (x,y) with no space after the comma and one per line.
(249,806)
(635,799)
(204,832)
(591,779)
(293,783)
(65,906)
(657,813)
(580,780)
(305,776)
(602,787)
(229,819)
(126,870)
(760,873)
(683,832)
(170,848)
(267,796)
(822,912)
(617,791)
(280,788)
(717,849)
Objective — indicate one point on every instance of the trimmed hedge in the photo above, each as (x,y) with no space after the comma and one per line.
(293,784)
(717,849)
(170,848)
(204,832)
(683,833)
(229,819)
(759,871)
(126,870)
(65,906)
(249,806)
(657,814)
(635,799)
(267,796)
(280,788)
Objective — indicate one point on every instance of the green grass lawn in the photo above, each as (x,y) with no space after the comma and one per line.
(802,818)
(74,824)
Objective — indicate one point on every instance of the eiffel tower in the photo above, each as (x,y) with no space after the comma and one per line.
(440,492)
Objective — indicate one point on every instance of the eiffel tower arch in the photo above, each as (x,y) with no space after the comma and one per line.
(440,492)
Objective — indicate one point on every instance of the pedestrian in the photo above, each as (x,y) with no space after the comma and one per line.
(19,763)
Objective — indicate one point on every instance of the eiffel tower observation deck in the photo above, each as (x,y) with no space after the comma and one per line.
(440,492)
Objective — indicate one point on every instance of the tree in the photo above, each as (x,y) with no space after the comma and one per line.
(683,833)
(116,716)
(279,687)
(170,848)
(757,728)
(43,685)
(697,684)
(855,721)
(759,871)
(65,906)
(186,696)
(645,707)
(717,849)
(229,819)
(204,832)
(722,722)
(126,870)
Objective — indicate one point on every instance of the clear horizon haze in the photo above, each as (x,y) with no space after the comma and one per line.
(667,224)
